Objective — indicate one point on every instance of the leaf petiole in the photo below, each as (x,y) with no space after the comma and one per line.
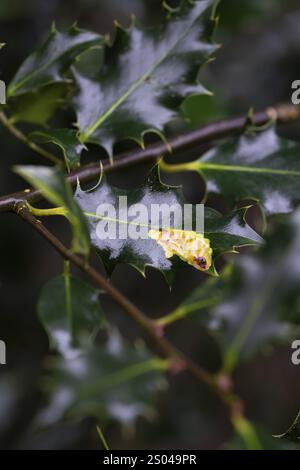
(47,212)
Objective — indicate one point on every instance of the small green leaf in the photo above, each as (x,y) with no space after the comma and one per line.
(52,60)
(113,382)
(57,190)
(145,76)
(263,167)
(70,311)
(67,140)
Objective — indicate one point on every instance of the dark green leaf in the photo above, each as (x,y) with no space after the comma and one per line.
(66,140)
(263,167)
(57,190)
(225,232)
(51,61)
(70,311)
(228,232)
(144,78)
(115,382)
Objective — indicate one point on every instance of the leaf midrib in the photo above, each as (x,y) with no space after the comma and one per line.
(126,222)
(202,166)
(91,129)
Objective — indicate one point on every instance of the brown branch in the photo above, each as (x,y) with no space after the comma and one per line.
(149,326)
(209,133)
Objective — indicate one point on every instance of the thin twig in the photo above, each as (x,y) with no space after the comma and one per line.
(209,133)
(23,138)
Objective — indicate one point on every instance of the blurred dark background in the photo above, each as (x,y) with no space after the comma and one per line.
(259,59)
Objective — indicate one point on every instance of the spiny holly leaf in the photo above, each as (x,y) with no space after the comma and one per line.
(57,190)
(263,167)
(43,84)
(70,311)
(144,78)
(293,433)
(115,381)
(228,232)
(120,221)
(256,297)
(52,60)
(66,140)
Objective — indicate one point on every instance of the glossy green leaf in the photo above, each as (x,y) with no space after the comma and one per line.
(70,311)
(146,73)
(263,167)
(66,140)
(137,249)
(228,232)
(57,190)
(293,433)
(52,60)
(113,382)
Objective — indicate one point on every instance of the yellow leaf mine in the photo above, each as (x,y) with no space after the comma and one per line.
(189,246)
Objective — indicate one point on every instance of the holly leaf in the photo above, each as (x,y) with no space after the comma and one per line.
(120,222)
(254,299)
(262,167)
(229,232)
(67,140)
(113,382)
(52,60)
(70,311)
(58,191)
(145,76)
